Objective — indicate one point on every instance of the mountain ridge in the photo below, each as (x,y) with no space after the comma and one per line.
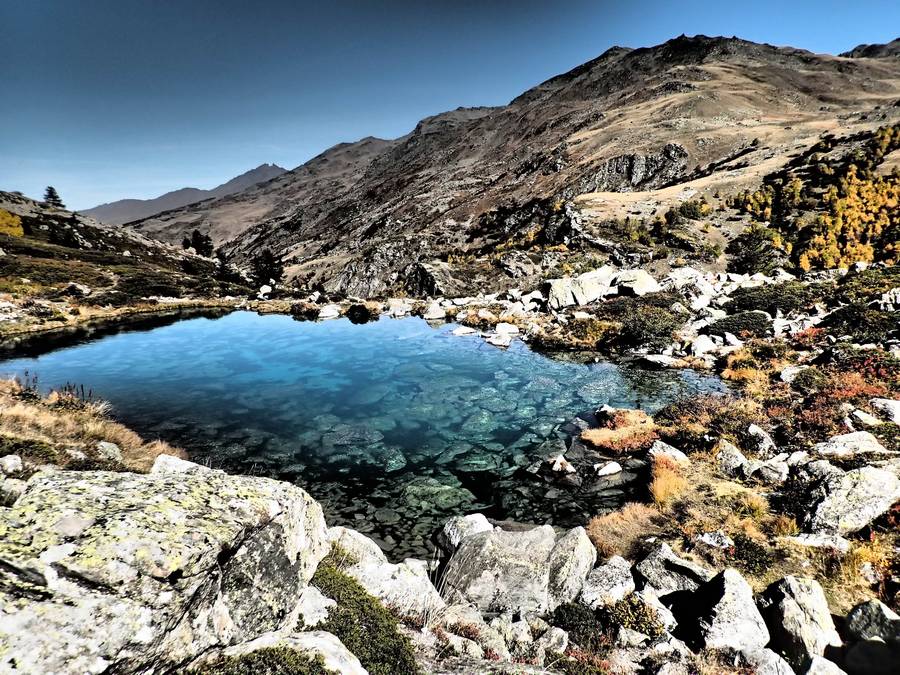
(127,210)
(363,218)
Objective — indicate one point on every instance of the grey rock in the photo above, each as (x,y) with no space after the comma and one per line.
(727,616)
(845,503)
(10,464)
(763,662)
(357,547)
(167,464)
(459,527)
(799,621)
(660,449)
(10,490)
(525,571)
(635,282)
(889,408)
(666,573)
(872,657)
(856,443)
(109,451)
(731,461)
(819,665)
(404,587)
(608,583)
(313,607)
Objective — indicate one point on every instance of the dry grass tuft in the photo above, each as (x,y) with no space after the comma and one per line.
(623,431)
(667,482)
(620,532)
(58,427)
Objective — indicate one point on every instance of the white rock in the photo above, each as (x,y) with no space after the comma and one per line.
(561,464)
(337,657)
(464,330)
(459,527)
(503,328)
(10,464)
(608,469)
(890,408)
(109,451)
(357,546)
(856,443)
(170,464)
(329,312)
(660,449)
(717,539)
(865,419)
(434,312)
(313,607)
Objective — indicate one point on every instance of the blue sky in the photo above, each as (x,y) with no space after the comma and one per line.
(111,99)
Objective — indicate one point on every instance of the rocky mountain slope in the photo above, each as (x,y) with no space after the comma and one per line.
(127,210)
(484,198)
(876,51)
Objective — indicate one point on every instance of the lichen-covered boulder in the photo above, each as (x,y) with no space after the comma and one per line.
(525,571)
(114,571)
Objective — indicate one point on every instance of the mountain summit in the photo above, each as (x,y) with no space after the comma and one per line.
(127,210)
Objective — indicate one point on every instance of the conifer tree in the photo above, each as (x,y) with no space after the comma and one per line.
(51,197)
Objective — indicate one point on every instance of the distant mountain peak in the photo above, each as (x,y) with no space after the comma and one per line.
(875,51)
(128,210)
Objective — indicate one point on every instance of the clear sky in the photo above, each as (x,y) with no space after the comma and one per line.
(107,99)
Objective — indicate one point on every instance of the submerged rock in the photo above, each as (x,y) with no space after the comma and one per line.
(130,571)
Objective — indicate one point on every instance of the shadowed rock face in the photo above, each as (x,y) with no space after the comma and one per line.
(134,570)
(361,216)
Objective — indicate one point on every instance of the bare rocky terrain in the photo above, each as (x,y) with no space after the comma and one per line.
(628,134)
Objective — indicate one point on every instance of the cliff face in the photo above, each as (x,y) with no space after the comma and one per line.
(637,126)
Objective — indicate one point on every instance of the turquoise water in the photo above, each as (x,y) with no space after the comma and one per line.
(393,425)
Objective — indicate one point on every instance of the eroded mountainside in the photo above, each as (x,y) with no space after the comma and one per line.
(475,199)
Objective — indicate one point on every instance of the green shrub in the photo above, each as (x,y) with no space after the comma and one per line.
(755,251)
(889,435)
(788,297)
(268,661)
(648,326)
(809,381)
(582,625)
(363,624)
(742,324)
(862,323)
(33,451)
(868,285)
(751,556)
(632,613)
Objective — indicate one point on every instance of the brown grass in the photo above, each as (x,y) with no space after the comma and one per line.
(45,430)
(667,482)
(623,431)
(620,532)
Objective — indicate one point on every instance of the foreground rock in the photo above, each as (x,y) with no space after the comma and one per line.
(117,571)
(844,503)
(519,572)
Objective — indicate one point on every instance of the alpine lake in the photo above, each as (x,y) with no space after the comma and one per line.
(393,425)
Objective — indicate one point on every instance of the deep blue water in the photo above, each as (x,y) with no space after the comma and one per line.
(393,425)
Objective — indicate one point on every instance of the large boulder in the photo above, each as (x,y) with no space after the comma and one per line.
(666,573)
(635,282)
(799,621)
(581,290)
(889,408)
(721,614)
(844,503)
(123,572)
(524,571)
(405,587)
(459,527)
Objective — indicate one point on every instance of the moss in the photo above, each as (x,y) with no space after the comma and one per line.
(862,323)
(632,613)
(742,324)
(889,435)
(268,661)
(363,624)
(809,381)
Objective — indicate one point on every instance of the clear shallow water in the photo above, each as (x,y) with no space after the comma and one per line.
(393,425)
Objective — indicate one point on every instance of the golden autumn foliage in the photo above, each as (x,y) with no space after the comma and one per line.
(10,224)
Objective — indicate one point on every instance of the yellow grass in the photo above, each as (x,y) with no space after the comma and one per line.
(619,532)
(667,482)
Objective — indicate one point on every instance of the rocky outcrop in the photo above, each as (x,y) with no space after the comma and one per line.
(123,571)
(336,657)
